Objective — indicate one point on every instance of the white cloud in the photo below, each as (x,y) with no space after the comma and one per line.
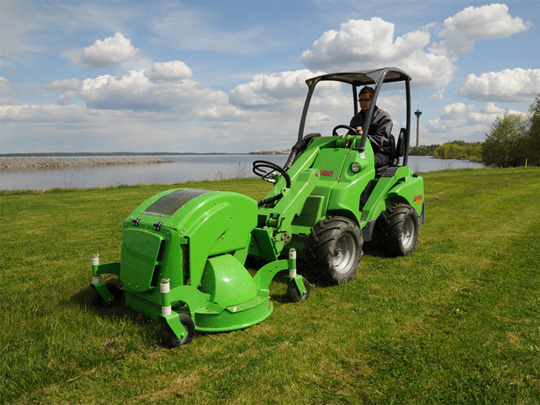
(112,51)
(268,104)
(490,112)
(451,118)
(162,90)
(168,71)
(278,99)
(77,127)
(476,23)
(68,87)
(438,95)
(509,85)
(114,101)
(65,99)
(44,113)
(454,111)
(149,103)
(460,121)
(491,108)
(63,85)
(270,89)
(133,90)
(362,44)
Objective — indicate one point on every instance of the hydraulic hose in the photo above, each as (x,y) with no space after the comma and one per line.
(270,200)
(298,148)
(258,169)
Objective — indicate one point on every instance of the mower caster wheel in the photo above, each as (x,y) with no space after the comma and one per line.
(169,338)
(99,301)
(292,291)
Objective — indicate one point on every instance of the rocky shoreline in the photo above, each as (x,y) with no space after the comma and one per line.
(33,163)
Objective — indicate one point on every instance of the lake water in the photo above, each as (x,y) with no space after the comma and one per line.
(184,168)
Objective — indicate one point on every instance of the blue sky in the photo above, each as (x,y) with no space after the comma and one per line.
(229,76)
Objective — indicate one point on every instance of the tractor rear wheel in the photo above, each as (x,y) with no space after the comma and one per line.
(334,249)
(397,230)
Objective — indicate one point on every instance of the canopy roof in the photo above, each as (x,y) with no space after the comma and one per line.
(364,77)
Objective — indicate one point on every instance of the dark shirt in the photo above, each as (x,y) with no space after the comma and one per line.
(379,130)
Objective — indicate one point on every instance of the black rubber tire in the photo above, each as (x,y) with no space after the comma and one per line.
(292,291)
(334,250)
(169,338)
(397,230)
(98,301)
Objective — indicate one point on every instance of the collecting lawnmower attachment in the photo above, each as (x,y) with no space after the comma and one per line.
(182,262)
(184,250)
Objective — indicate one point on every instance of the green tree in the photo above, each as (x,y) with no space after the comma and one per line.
(458,150)
(422,150)
(506,143)
(534,133)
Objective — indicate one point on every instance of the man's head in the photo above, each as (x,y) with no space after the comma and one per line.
(366,94)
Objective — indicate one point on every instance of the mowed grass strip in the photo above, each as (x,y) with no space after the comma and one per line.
(456,321)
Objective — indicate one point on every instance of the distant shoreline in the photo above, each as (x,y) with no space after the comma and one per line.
(134,154)
(35,163)
(107,154)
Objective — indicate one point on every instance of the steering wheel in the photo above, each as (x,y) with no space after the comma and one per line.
(265,169)
(351,129)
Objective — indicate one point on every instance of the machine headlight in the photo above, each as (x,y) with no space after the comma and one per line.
(355,167)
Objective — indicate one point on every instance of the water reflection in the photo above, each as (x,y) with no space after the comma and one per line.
(183,169)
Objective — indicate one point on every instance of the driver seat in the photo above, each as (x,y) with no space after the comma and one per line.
(396,150)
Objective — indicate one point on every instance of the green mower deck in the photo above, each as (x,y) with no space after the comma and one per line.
(182,254)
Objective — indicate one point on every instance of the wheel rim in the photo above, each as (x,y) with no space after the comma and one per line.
(407,237)
(345,253)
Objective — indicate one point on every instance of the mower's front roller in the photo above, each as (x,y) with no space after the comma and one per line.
(228,298)
(210,312)
(298,287)
(170,340)
(105,294)
(176,329)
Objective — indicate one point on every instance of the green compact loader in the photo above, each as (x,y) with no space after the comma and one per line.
(184,250)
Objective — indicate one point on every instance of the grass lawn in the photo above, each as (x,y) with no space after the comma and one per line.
(456,321)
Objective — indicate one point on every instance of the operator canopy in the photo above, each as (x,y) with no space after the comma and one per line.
(363,77)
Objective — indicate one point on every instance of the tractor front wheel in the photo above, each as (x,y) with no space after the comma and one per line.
(334,249)
(397,230)
(169,338)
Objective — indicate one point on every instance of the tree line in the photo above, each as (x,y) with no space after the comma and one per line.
(513,140)
(450,150)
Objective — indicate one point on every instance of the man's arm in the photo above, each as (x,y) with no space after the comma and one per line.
(356,123)
(383,124)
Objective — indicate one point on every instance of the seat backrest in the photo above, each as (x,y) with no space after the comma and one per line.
(394,158)
(400,147)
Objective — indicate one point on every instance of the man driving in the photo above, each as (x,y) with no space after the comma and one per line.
(379,130)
